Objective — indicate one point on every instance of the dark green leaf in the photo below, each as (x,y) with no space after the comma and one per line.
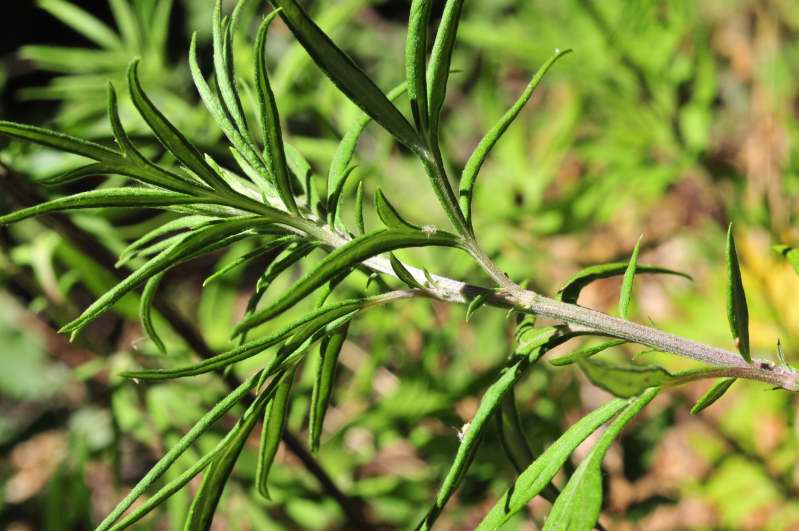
(346,74)
(346,257)
(712,394)
(440,61)
(538,475)
(737,311)
(577,507)
(416,60)
(146,313)
(389,215)
(571,290)
(324,382)
(402,273)
(631,380)
(275,418)
(359,222)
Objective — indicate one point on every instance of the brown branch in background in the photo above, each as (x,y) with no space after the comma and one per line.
(21,191)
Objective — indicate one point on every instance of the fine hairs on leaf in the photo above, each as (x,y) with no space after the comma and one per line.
(256,191)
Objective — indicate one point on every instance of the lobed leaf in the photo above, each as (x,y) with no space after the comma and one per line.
(577,507)
(347,76)
(538,475)
(571,290)
(737,311)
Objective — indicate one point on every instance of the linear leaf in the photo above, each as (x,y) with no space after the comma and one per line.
(416,60)
(511,433)
(83,22)
(440,61)
(203,507)
(737,311)
(359,221)
(223,68)
(402,273)
(389,215)
(349,78)
(712,394)
(475,304)
(274,246)
(586,352)
(577,507)
(168,134)
(178,224)
(125,19)
(571,290)
(472,432)
(106,198)
(146,313)
(538,475)
(270,119)
(275,418)
(334,200)
(319,317)
(198,242)
(481,152)
(176,451)
(631,380)
(627,283)
(54,139)
(329,351)
(90,170)
(343,258)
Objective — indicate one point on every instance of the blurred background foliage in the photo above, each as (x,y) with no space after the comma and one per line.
(671,119)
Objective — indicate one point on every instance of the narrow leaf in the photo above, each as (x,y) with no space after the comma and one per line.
(176,451)
(329,352)
(275,418)
(483,149)
(577,507)
(538,475)
(270,119)
(737,311)
(346,257)
(586,352)
(475,304)
(359,222)
(83,22)
(349,78)
(54,139)
(712,394)
(631,380)
(146,313)
(571,290)
(389,215)
(402,272)
(223,68)
(440,61)
(627,283)
(416,60)
(132,197)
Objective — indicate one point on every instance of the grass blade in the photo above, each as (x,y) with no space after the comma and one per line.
(737,311)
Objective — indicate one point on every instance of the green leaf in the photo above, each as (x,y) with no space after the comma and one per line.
(83,22)
(132,197)
(199,242)
(511,433)
(126,21)
(274,424)
(202,510)
(577,507)
(389,215)
(347,76)
(272,247)
(471,433)
(402,273)
(90,170)
(440,61)
(631,380)
(346,257)
(270,119)
(791,254)
(712,394)
(586,352)
(329,352)
(223,68)
(483,149)
(475,304)
(416,60)
(168,134)
(571,290)
(334,199)
(627,283)
(184,222)
(60,141)
(737,311)
(538,475)
(318,319)
(345,151)
(146,314)
(176,451)
(359,222)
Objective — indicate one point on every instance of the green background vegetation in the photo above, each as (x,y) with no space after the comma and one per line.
(670,119)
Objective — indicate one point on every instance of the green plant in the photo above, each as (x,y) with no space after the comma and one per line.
(271,200)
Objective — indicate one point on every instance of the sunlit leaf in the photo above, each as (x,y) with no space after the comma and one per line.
(737,311)
(712,394)
(627,283)
(571,290)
